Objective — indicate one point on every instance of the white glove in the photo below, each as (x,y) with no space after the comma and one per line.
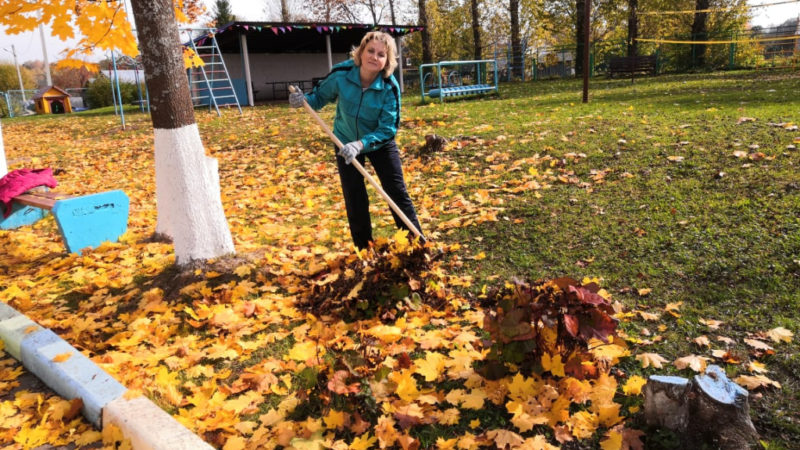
(351,150)
(296,98)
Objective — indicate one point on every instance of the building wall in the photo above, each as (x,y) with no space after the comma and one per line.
(266,69)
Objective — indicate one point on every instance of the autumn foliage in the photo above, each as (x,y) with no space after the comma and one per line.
(549,319)
(301,342)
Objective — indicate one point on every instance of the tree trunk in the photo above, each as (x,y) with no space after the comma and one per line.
(372,8)
(516,44)
(700,33)
(633,27)
(709,412)
(476,31)
(579,36)
(3,164)
(187,181)
(285,11)
(391,11)
(427,55)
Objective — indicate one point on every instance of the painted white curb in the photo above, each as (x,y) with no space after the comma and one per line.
(14,327)
(76,376)
(149,427)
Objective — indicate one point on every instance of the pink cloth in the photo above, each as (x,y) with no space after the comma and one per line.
(19,181)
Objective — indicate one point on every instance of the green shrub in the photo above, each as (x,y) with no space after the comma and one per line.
(98,92)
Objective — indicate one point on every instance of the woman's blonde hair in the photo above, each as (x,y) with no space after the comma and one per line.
(385,39)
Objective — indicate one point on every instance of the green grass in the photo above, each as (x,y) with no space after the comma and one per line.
(719,233)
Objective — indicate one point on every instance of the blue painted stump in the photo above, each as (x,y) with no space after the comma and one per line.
(85,221)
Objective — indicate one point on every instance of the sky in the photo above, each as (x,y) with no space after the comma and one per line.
(28,45)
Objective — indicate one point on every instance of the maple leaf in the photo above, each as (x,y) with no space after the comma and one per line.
(612,441)
(780,334)
(303,351)
(385,431)
(334,419)
(61,357)
(409,415)
(634,385)
(752,382)
(387,334)
(505,438)
(694,362)
(553,365)
(406,385)
(338,383)
(363,442)
(756,366)
(649,316)
(758,345)
(651,359)
(711,323)
(583,424)
(431,366)
(702,341)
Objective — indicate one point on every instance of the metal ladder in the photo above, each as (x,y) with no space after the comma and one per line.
(210,84)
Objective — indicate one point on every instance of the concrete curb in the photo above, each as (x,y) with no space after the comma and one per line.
(142,421)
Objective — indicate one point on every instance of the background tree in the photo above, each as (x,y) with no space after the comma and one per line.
(579,35)
(516,42)
(222,13)
(700,32)
(477,52)
(633,27)
(425,34)
(331,11)
(9,79)
(71,77)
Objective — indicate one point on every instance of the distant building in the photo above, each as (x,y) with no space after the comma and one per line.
(52,100)
(263,58)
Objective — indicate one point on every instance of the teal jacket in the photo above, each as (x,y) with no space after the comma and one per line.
(371,115)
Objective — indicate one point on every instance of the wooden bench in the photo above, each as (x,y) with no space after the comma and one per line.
(630,65)
(83,221)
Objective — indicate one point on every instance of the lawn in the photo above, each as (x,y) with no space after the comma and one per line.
(679,194)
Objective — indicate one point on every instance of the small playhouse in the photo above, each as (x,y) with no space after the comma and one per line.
(52,100)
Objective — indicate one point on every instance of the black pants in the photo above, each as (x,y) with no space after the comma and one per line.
(386,161)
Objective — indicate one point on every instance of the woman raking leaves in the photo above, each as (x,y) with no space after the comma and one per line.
(367,116)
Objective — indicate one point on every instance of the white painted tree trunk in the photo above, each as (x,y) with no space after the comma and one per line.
(3,164)
(188,196)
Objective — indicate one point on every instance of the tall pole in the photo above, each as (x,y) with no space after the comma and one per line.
(587,9)
(46,61)
(19,75)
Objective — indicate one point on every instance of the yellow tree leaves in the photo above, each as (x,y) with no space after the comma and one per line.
(100,25)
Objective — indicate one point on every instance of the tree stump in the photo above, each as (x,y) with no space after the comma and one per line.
(710,411)
(720,407)
(666,402)
(433,144)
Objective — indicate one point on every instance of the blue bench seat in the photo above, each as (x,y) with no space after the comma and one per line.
(452,91)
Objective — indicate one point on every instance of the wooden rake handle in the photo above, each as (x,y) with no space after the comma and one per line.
(360,168)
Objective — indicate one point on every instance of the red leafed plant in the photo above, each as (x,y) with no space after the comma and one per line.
(558,316)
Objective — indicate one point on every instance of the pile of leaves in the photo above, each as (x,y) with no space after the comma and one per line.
(385,280)
(556,318)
